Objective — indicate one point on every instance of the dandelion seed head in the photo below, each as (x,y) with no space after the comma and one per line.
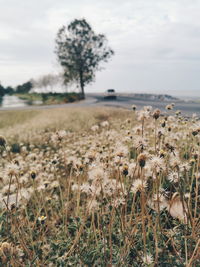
(138,185)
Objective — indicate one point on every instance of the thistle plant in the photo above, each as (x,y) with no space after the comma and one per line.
(124,191)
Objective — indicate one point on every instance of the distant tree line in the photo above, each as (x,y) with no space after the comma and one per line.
(20,89)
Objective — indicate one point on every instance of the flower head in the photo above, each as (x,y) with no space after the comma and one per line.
(138,185)
(2,141)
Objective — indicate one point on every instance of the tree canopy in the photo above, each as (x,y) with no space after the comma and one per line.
(24,88)
(80,51)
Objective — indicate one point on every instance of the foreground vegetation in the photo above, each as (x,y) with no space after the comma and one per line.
(50,98)
(93,187)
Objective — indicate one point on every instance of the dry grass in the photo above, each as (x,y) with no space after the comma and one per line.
(99,187)
(24,125)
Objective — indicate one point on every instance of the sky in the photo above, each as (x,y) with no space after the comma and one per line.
(156,42)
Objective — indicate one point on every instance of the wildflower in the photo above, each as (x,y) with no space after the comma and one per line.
(8,189)
(33,175)
(156,162)
(105,124)
(75,187)
(143,115)
(117,202)
(139,143)
(122,150)
(156,114)
(147,108)
(197,175)
(131,169)
(175,162)
(192,161)
(178,112)
(163,124)
(87,188)
(187,195)
(170,147)
(194,133)
(158,202)
(142,159)
(169,107)
(134,107)
(138,185)
(162,153)
(125,170)
(6,249)
(42,219)
(196,156)
(96,174)
(54,185)
(12,169)
(95,128)
(2,141)
(173,177)
(147,259)
(184,167)
(62,133)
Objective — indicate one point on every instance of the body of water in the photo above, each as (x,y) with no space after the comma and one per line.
(9,101)
(12,101)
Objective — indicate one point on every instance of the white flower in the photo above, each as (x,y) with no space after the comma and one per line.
(147,259)
(12,169)
(118,202)
(95,128)
(105,124)
(158,202)
(62,133)
(131,169)
(121,150)
(143,114)
(156,163)
(87,188)
(75,187)
(97,174)
(173,177)
(147,108)
(138,185)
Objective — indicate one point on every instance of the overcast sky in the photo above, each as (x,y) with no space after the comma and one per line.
(156,42)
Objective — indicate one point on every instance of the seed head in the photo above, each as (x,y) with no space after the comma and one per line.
(178,112)
(134,107)
(42,219)
(163,124)
(169,107)
(33,175)
(6,248)
(125,170)
(156,114)
(2,141)
(194,133)
(142,160)
(162,153)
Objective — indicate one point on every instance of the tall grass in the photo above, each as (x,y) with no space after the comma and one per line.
(99,187)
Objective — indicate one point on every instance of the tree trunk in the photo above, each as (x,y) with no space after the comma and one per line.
(82,85)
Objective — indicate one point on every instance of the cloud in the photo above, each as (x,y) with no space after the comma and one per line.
(154,39)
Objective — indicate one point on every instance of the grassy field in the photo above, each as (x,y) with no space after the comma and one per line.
(99,187)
